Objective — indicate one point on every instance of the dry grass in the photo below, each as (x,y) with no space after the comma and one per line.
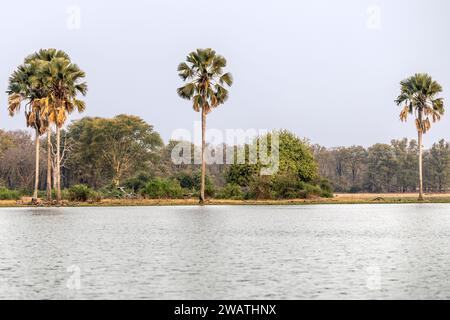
(341,198)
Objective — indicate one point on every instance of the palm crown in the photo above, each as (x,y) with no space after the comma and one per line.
(419,97)
(204,71)
(61,79)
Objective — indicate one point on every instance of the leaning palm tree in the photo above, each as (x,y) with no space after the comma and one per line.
(23,87)
(203,71)
(419,96)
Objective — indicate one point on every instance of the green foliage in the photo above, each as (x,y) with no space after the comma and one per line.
(419,97)
(241,174)
(186,180)
(111,148)
(159,188)
(327,189)
(6,194)
(382,167)
(231,191)
(203,72)
(138,181)
(80,192)
(437,167)
(260,188)
(210,189)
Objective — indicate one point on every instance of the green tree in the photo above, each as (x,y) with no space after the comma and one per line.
(203,71)
(419,96)
(406,155)
(438,171)
(114,147)
(382,166)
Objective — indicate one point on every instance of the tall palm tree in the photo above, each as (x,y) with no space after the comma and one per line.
(203,72)
(62,80)
(419,96)
(41,58)
(24,86)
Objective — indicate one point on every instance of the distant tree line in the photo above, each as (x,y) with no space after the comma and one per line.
(385,167)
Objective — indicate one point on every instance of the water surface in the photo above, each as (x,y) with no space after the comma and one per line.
(226,252)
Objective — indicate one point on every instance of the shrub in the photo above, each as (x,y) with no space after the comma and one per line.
(111,192)
(309,190)
(287,187)
(6,194)
(137,182)
(162,189)
(210,190)
(327,189)
(231,191)
(80,192)
(186,180)
(260,188)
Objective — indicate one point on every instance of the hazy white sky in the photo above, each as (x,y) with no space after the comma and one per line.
(326,70)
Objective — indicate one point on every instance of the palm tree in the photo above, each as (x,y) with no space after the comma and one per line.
(24,86)
(203,71)
(419,95)
(62,81)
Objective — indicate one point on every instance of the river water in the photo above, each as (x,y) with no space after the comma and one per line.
(226,252)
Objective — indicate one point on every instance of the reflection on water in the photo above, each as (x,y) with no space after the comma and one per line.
(292,252)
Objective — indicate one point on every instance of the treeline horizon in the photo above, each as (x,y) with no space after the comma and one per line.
(88,158)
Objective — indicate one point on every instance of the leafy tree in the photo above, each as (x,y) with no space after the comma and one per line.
(438,169)
(203,71)
(419,95)
(382,166)
(406,155)
(117,147)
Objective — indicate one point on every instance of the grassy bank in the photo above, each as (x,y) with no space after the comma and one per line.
(366,198)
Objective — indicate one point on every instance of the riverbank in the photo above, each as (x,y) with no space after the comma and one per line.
(362,198)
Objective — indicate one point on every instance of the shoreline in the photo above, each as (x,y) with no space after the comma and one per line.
(366,198)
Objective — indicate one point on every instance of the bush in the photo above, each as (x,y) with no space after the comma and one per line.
(137,182)
(260,188)
(186,180)
(231,191)
(80,192)
(112,192)
(210,190)
(287,187)
(309,190)
(327,189)
(6,194)
(162,189)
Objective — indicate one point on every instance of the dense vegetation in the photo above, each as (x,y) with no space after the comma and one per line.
(385,167)
(123,157)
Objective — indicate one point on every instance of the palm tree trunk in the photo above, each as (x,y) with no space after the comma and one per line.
(49,164)
(420,166)
(58,164)
(36,179)
(202,186)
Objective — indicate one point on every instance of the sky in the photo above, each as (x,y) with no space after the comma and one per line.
(325,70)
